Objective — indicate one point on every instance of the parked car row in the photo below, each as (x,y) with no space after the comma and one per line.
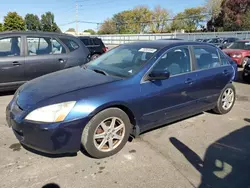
(222,43)
(126,91)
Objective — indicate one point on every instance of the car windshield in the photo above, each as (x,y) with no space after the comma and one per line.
(242,45)
(123,61)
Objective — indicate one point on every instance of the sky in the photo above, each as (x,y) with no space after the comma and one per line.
(89,10)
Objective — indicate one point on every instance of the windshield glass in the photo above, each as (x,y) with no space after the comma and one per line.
(123,61)
(242,45)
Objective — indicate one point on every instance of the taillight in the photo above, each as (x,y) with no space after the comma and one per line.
(105,49)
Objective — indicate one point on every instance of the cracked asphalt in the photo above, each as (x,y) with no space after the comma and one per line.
(206,150)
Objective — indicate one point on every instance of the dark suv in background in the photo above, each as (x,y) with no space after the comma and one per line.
(95,46)
(27,55)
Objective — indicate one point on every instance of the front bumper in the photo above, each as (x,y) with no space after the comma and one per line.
(56,138)
(237,60)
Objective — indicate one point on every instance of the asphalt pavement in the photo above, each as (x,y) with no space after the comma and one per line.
(206,150)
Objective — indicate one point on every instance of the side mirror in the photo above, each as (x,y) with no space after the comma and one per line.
(159,75)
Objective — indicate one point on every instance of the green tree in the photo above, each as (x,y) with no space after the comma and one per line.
(246,21)
(48,23)
(108,27)
(179,22)
(189,20)
(32,22)
(213,8)
(141,17)
(13,22)
(71,30)
(123,22)
(194,17)
(1,27)
(133,21)
(159,19)
(91,31)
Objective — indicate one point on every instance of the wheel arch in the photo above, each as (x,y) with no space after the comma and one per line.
(124,107)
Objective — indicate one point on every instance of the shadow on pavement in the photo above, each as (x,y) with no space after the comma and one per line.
(239,77)
(247,120)
(226,162)
(51,185)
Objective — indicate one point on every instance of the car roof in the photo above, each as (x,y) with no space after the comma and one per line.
(165,43)
(34,33)
(88,37)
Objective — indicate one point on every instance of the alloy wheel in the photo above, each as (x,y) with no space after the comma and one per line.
(109,134)
(228,99)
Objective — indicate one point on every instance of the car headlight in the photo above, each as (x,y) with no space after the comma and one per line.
(52,113)
(236,55)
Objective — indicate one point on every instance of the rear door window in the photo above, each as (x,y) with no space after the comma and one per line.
(39,46)
(206,57)
(97,42)
(85,42)
(71,45)
(44,46)
(10,47)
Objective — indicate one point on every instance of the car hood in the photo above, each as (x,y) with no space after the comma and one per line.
(59,83)
(231,51)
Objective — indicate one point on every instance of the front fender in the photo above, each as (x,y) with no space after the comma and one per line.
(89,110)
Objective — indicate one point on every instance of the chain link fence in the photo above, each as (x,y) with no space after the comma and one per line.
(127,38)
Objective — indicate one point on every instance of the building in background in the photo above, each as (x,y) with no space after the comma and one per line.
(79,34)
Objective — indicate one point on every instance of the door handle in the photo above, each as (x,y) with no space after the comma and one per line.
(225,72)
(16,63)
(61,60)
(189,81)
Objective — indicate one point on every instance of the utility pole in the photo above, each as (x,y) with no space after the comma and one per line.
(77,6)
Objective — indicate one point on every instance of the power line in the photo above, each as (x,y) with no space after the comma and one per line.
(141,22)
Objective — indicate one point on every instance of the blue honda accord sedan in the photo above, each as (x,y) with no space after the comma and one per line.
(129,90)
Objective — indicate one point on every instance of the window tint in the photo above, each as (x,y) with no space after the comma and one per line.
(57,48)
(206,57)
(176,61)
(72,45)
(96,41)
(10,47)
(85,41)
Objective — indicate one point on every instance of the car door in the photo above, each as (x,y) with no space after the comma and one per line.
(212,74)
(44,55)
(11,60)
(165,100)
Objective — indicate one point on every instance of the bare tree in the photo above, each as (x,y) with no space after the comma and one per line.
(213,8)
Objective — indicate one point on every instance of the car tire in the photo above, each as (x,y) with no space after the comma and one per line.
(244,62)
(93,57)
(245,78)
(98,135)
(226,100)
